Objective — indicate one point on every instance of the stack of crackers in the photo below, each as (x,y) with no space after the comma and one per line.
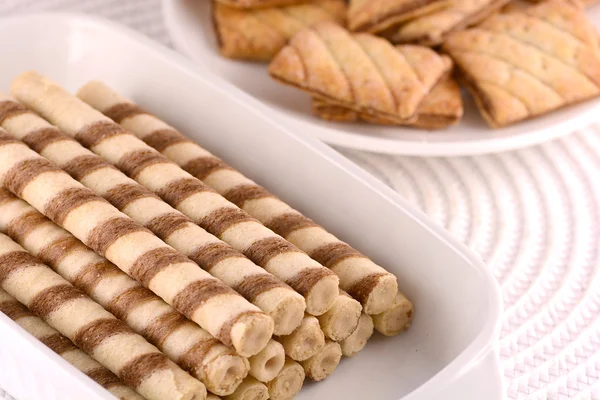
(402,62)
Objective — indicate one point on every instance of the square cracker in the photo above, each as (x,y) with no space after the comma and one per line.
(523,64)
(360,71)
(258,34)
(441,108)
(375,16)
(432,29)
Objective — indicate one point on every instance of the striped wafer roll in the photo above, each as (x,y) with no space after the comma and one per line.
(64,348)
(135,250)
(342,318)
(288,382)
(180,189)
(367,282)
(358,339)
(266,365)
(190,346)
(93,329)
(396,319)
(322,364)
(211,396)
(267,292)
(305,341)
(250,389)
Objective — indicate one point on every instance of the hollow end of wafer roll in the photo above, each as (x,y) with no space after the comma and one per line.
(396,319)
(382,295)
(305,341)
(358,339)
(322,295)
(342,319)
(225,373)
(251,333)
(287,313)
(322,364)
(250,389)
(266,365)
(288,382)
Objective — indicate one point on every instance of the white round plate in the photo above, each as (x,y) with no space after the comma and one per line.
(189,23)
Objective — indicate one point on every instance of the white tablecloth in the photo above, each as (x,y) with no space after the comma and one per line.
(533,215)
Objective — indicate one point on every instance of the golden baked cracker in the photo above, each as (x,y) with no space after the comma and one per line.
(441,108)
(259,34)
(375,16)
(431,29)
(523,64)
(359,71)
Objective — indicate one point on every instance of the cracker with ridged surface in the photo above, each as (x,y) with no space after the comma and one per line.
(259,34)
(523,64)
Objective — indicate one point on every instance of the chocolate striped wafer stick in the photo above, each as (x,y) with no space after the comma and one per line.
(266,365)
(342,318)
(396,319)
(211,396)
(288,382)
(64,348)
(93,329)
(322,364)
(180,189)
(358,339)
(190,346)
(250,389)
(134,249)
(367,282)
(267,292)
(305,341)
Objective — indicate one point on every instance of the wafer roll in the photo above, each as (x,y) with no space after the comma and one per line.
(322,364)
(395,320)
(250,389)
(190,346)
(180,189)
(211,396)
(64,348)
(93,329)
(358,339)
(342,319)
(266,365)
(367,282)
(288,382)
(267,292)
(134,249)
(305,341)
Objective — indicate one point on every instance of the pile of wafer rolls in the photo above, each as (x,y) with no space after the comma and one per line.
(159,270)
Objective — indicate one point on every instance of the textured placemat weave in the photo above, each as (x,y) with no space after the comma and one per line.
(533,215)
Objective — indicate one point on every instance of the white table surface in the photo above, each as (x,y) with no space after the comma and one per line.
(533,215)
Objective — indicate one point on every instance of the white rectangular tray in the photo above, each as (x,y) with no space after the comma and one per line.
(449,353)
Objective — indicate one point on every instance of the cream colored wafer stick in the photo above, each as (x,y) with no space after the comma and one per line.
(342,319)
(211,396)
(305,341)
(358,340)
(93,329)
(190,346)
(367,282)
(395,320)
(266,365)
(134,249)
(64,348)
(180,189)
(288,382)
(322,364)
(250,389)
(267,292)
